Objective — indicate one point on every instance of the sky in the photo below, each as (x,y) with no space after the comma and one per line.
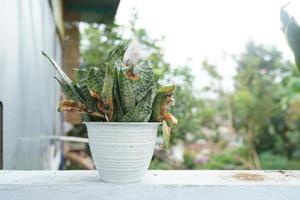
(209,29)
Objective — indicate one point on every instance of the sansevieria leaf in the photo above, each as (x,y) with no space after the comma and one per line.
(162,101)
(69,89)
(65,82)
(142,111)
(59,70)
(291,29)
(117,53)
(107,91)
(69,105)
(145,82)
(81,77)
(166,134)
(118,111)
(125,88)
(95,79)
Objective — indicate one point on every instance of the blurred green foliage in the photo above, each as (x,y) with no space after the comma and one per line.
(261,115)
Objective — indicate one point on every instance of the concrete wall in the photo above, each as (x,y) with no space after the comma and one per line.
(27,88)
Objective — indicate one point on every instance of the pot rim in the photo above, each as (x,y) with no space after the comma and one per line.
(123,123)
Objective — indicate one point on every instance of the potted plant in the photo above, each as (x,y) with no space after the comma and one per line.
(122,106)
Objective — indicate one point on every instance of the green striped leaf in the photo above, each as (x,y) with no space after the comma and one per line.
(161,104)
(81,77)
(95,79)
(291,30)
(125,88)
(118,111)
(142,112)
(146,80)
(68,87)
(71,91)
(107,91)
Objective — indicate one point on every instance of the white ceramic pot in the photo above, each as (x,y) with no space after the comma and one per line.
(122,151)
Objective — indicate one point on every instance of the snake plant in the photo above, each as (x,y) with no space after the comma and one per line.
(117,92)
(291,29)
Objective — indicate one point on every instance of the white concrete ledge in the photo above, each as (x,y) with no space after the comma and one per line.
(208,185)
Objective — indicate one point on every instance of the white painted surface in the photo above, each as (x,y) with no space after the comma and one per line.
(28,90)
(122,151)
(210,185)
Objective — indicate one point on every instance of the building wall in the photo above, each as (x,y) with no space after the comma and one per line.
(28,91)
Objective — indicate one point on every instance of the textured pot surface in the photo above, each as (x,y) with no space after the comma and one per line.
(122,151)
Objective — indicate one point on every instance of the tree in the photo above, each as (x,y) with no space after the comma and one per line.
(256,102)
